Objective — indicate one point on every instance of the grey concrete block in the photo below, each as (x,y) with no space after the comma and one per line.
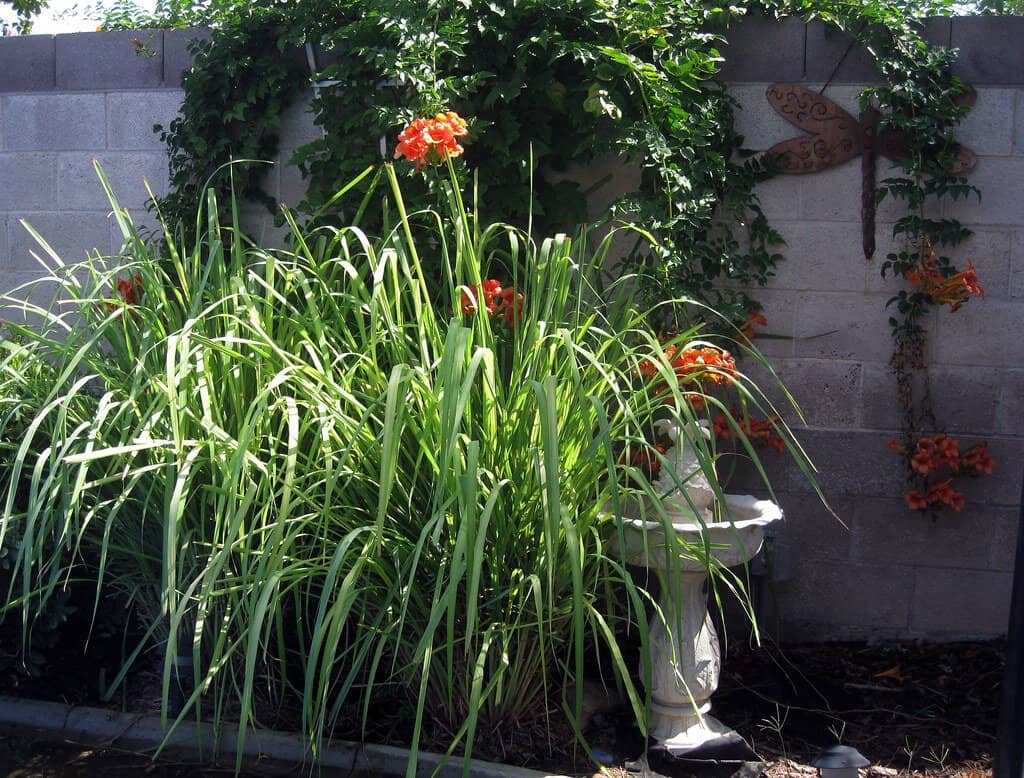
(780,197)
(1010,405)
(54,122)
(27,63)
(298,127)
(814,531)
(965,399)
(1018,122)
(828,599)
(5,244)
(1017,265)
(833,57)
(73,236)
(990,50)
(802,631)
(1005,526)
(832,195)
(838,325)
(879,405)
(178,54)
(761,50)
(973,604)
(1001,181)
(738,474)
(836,194)
(292,186)
(131,116)
(849,463)
(823,256)
(984,333)
(775,339)
(1002,487)
(110,60)
(886,532)
(987,129)
(79,188)
(826,391)
(29,181)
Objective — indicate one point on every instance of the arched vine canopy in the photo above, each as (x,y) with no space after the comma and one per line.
(557,83)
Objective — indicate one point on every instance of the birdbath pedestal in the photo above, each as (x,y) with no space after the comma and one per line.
(684,653)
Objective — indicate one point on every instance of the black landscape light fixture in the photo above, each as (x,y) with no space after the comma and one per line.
(839,762)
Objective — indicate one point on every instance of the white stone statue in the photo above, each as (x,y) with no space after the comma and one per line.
(684,468)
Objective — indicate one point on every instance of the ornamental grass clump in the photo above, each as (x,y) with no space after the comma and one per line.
(388,499)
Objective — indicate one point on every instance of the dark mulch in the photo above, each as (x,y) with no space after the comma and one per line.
(910,707)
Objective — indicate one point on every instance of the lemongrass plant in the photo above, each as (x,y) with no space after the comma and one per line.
(338,480)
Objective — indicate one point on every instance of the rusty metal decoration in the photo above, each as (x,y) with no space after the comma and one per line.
(836,137)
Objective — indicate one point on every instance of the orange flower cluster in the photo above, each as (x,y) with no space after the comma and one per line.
(498,300)
(705,362)
(930,454)
(951,290)
(431,141)
(938,495)
(753,429)
(747,330)
(645,459)
(976,460)
(130,290)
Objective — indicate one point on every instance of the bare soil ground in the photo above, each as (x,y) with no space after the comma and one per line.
(912,709)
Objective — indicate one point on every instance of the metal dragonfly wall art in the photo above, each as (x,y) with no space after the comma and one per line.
(835,137)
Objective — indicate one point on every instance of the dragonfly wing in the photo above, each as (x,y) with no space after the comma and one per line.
(835,135)
(894,146)
(810,111)
(811,153)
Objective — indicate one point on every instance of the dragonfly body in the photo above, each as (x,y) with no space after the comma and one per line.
(834,137)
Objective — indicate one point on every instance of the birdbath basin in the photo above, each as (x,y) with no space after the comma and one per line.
(684,652)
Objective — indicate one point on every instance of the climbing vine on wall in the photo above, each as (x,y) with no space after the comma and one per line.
(923,101)
(560,84)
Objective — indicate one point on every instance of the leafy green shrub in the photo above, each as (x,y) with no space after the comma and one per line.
(331,478)
(599,79)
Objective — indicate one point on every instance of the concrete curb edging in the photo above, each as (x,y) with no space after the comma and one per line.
(275,753)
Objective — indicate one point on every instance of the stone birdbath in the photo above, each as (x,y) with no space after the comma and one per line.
(684,651)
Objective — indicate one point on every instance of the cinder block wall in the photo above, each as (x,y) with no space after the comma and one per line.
(66,101)
(889,574)
(894,574)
